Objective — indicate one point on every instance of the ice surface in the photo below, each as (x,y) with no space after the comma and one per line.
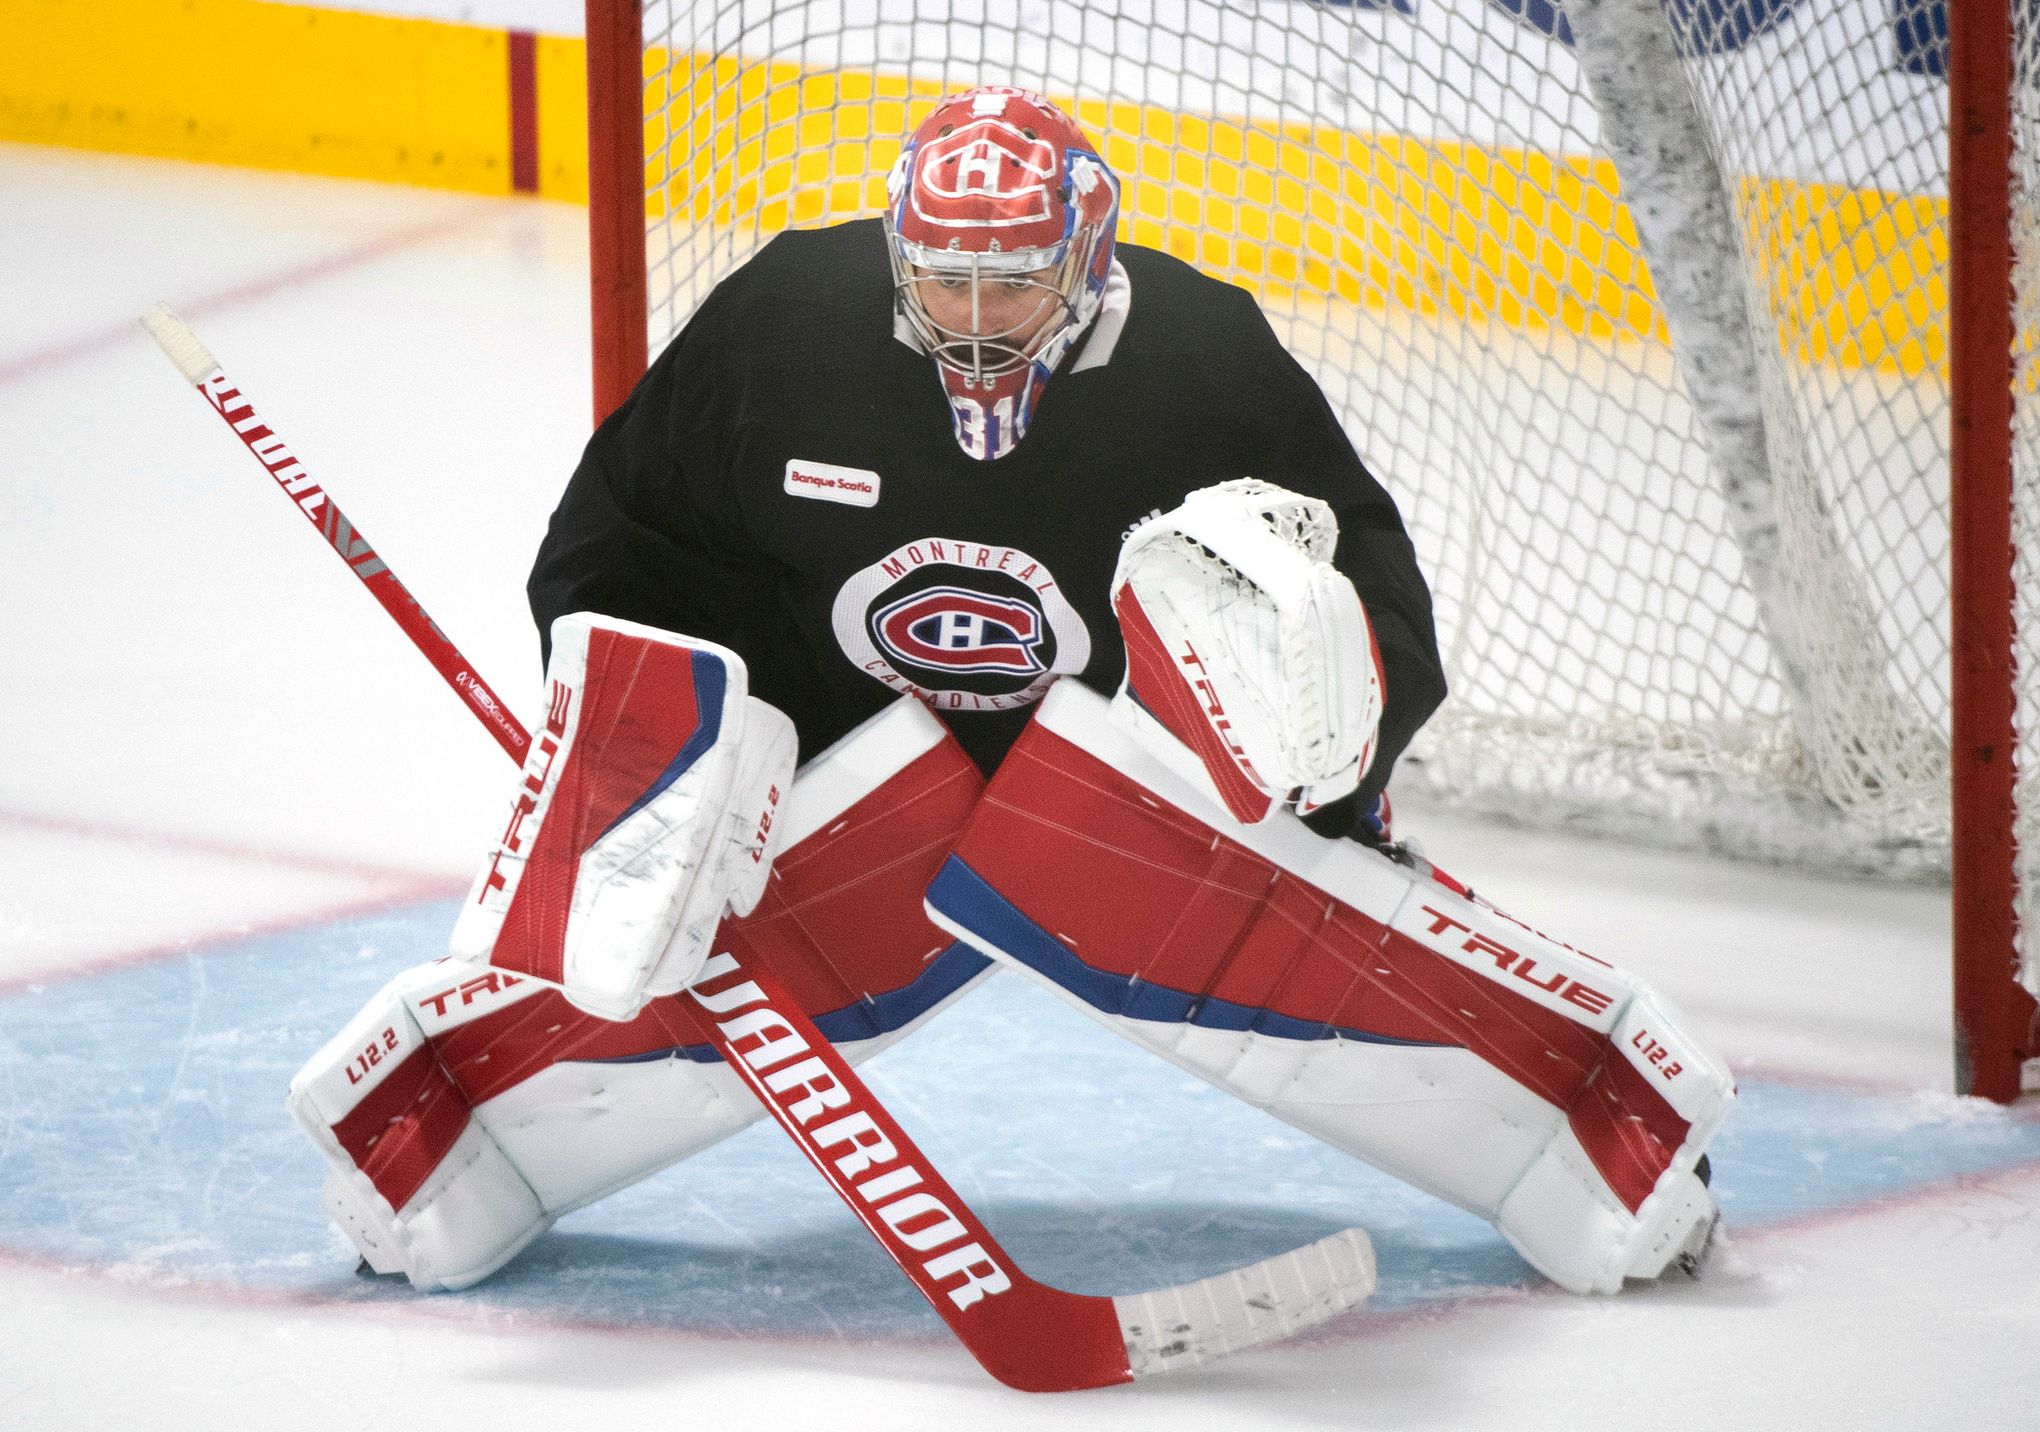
(235,803)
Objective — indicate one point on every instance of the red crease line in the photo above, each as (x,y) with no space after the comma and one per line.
(190,946)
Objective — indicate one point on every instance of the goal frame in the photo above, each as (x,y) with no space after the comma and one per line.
(1995,1018)
(1997,1026)
(617,310)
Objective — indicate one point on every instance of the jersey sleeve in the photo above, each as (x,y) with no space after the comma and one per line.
(1304,447)
(647,530)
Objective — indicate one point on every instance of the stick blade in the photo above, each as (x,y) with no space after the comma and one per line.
(1275,1298)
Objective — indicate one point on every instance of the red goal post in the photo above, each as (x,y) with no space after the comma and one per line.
(616,199)
(1711,411)
(1997,1027)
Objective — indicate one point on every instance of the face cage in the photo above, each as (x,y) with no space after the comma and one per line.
(982,357)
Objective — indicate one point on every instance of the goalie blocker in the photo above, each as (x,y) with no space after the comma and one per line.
(1371,1003)
(644,813)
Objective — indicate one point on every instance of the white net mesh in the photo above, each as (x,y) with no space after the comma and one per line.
(2026,457)
(1746,649)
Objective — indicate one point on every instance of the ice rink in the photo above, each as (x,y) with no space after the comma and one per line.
(235,802)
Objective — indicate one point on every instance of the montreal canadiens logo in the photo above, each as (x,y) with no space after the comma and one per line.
(989,159)
(957,629)
(966,626)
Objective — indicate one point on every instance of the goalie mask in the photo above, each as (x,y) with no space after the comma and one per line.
(999,226)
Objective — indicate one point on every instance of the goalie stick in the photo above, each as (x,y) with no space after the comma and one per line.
(346,540)
(1027,1334)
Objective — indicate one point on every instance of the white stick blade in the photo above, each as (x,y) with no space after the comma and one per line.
(1275,1298)
(179,342)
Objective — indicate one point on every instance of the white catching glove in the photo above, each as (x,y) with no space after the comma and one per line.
(644,814)
(1250,665)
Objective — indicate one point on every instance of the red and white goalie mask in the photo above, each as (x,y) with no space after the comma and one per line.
(999,224)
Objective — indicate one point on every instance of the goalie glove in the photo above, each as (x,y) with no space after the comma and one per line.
(1251,669)
(644,814)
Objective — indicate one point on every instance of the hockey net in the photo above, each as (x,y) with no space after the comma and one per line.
(1639,307)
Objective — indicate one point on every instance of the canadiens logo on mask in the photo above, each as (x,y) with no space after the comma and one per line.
(966,626)
(999,230)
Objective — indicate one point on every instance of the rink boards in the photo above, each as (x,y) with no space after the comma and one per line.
(1492,207)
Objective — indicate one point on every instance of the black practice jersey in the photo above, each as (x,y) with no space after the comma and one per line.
(784,481)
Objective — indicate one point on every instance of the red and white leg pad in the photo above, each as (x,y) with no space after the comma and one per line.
(466,1108)
(1374,1004)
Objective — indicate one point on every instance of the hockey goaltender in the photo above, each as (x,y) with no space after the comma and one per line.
(1100,644)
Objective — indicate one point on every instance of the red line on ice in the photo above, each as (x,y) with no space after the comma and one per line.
(40,361)
(91,966)
(211,846)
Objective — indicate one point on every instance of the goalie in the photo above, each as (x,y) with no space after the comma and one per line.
(895,483)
